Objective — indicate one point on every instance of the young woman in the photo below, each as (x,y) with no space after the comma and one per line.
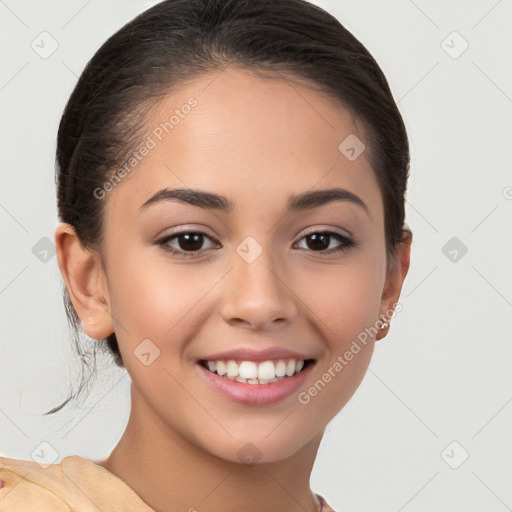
(231,182)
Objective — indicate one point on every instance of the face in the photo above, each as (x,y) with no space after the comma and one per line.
(259,275)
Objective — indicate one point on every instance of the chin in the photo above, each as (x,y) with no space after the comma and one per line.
(258,449)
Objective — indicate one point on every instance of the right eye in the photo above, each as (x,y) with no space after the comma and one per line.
(189,242)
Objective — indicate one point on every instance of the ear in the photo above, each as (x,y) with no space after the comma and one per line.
(86,282)
(394,280)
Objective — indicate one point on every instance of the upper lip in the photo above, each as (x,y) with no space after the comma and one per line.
(251,354)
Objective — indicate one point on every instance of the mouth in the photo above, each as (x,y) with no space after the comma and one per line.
(257,372)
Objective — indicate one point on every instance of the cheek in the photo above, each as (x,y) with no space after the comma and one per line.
(345,307)
(344,299)
(156,299)
(142,302)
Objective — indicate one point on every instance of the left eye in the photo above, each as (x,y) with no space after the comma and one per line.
(318,239)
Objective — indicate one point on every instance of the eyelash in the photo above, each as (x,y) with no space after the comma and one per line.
(345,246)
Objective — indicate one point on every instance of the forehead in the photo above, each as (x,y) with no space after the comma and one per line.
(248,138)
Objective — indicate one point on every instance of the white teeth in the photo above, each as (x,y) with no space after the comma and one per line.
(221,367)
(280,369)
(267,370)
(231,369)
(250,372)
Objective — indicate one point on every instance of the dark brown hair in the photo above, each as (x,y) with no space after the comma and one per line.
(176,40)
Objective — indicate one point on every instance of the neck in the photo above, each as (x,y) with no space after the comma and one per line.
(169,472)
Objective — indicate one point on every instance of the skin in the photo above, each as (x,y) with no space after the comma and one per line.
(255,141)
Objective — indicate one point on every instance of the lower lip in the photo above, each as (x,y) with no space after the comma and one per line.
(256,394)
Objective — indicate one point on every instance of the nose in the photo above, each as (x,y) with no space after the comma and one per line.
(258,295)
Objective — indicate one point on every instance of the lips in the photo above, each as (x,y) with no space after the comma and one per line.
(255,394)
(255,377)
(250,354)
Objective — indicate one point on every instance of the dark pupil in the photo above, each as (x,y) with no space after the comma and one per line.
(193,241)
(319,241)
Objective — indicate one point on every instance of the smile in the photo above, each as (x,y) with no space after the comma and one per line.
(255,383)
(251,372)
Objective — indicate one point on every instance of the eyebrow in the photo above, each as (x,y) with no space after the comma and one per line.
(210,201)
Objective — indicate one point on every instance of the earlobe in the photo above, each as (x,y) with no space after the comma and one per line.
(394,281)
(85,281)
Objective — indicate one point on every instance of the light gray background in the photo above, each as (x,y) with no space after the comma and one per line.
(443,373)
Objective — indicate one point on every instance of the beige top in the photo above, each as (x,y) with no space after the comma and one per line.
(75,485)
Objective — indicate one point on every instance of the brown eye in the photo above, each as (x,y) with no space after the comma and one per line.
(319,241)
(190,241)
(185,243)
